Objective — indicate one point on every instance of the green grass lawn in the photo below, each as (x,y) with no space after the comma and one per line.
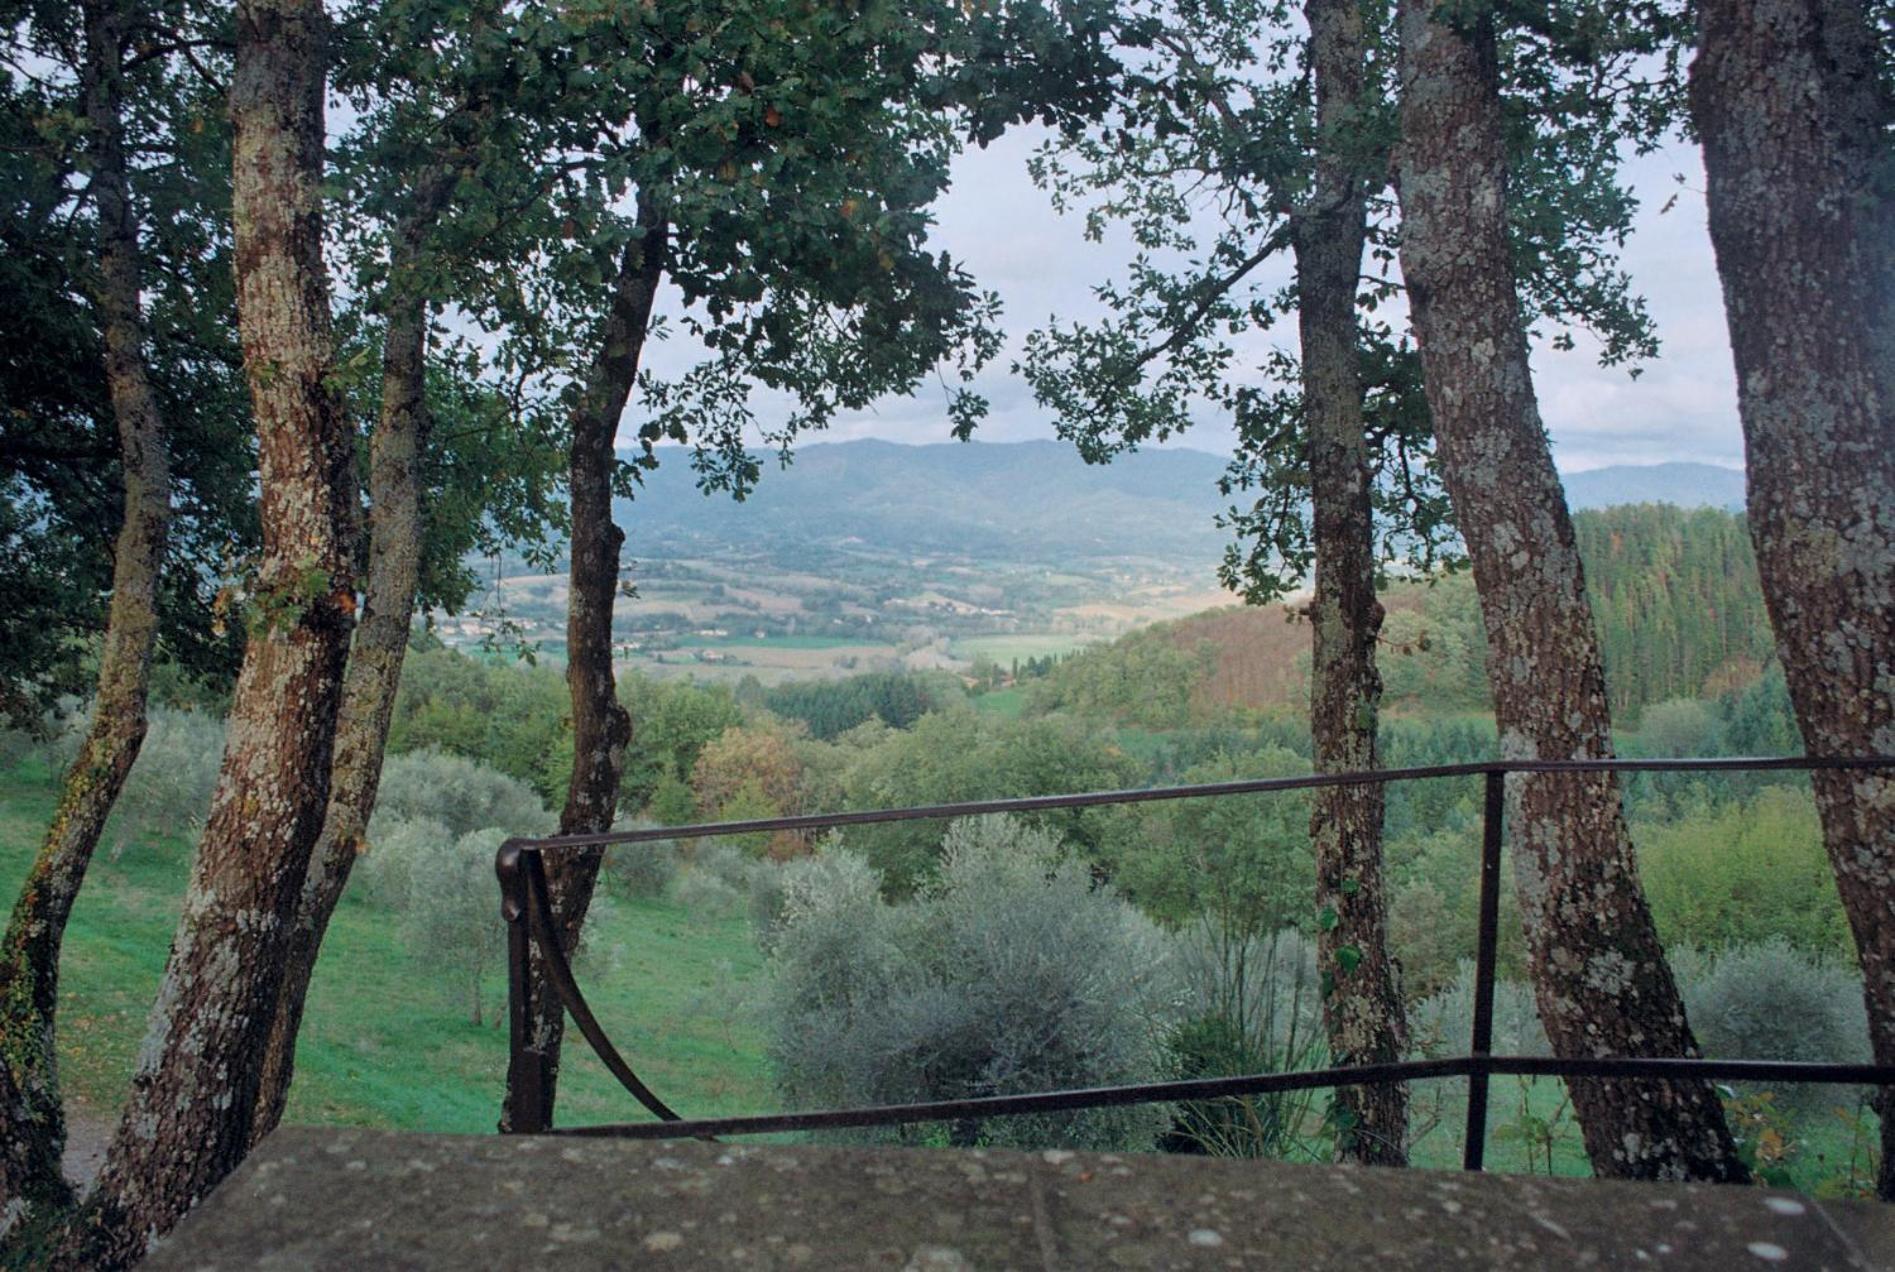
(1007,703)
(385,1043)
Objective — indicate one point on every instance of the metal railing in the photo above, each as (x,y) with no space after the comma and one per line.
(527,910)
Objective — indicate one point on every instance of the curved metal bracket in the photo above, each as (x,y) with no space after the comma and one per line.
(559,973)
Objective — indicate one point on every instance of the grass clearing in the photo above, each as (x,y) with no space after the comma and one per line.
(384,1042)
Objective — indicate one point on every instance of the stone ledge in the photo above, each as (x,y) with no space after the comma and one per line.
(318,1198)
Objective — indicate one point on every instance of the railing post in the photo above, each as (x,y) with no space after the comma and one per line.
(1493,816)
(524,1112)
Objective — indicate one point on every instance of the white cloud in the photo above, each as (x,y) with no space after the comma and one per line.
(1681,407)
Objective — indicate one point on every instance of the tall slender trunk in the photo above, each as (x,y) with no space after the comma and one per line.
(1362,1008)
(187,1122)
(381,637)
(602,728)
(32,1119)
(1600,977)
(1794,125)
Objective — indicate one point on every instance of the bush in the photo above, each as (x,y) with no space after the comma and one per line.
(170,787)
(168,792)
(1772,1001)
(1744,873)
(461,794)
(383,875)
(716,878)
(1010,973)
(1251,1005)
(1443,1025)
(642,869)
(776,887)
(708,893)
(451,920)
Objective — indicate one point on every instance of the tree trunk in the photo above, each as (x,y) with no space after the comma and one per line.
(1362,1007)
(1600,977)
(187,1122)
(602,729)
(1794,125)
(32,1119)
(381,638)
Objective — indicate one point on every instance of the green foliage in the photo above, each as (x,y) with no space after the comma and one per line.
(959,754)
(1143,680)
(1252,1005)
(1442,1024)
(642,869)
(1011,973)
(449,920)
(510,717)
(460,794)
(1742,872)
(60,487)
(168,792)
(673,721)
(1243,860)
(1772,1001)
(833,707)
(1675,599)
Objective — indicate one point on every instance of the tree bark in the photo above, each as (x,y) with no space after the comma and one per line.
(381,638)
(1362,1007)
(187,1122)
(1794,125)
(602,728)
(1600,977)
(32,1119)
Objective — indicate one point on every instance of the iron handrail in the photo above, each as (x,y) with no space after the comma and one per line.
(526,908)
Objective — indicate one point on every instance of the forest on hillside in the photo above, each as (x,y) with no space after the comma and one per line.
(1675,599)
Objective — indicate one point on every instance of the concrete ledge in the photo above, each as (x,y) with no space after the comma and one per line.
(363,1199)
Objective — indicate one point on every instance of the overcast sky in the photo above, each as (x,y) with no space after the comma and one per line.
(1683,406)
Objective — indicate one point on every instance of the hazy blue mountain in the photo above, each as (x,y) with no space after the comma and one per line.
(1687,485)
(1033,501)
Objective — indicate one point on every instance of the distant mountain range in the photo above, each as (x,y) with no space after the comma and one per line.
(1687,485)
(1035,501)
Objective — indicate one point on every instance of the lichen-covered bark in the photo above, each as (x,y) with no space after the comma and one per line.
(381,637)
(187,1120)
(32,1123)
(602,729)
(1362,1008)
(1600,977)
(1802,210)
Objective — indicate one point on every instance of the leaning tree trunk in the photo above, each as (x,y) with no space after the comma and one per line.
(1599,973)
(602,728)
(32,1119)
(1793,121)
(381,638)
(1362,1008)
(187,1122)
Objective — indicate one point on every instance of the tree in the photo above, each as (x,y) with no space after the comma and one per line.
(1011,973)
(186,1123)
(451,136)
(779,171)
(1600,975)
(747,774)
(1792,102)
(448,921)
(32,1123)
(61,483)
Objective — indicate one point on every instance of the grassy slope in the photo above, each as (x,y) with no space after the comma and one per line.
(383,1044)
